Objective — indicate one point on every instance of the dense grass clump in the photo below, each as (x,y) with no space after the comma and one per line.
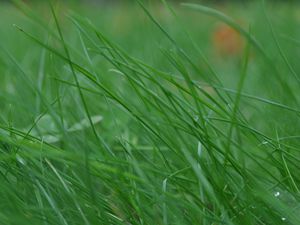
(149,114)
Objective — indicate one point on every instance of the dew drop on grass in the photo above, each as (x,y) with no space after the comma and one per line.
(276,194)
(283,219)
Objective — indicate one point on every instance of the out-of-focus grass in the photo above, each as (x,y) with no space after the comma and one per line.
(134,117)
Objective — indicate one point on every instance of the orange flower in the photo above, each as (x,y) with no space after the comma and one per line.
(227,41)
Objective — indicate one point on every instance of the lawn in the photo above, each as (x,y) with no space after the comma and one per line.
(149,112)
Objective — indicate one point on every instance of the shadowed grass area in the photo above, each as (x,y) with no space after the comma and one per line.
(149,114)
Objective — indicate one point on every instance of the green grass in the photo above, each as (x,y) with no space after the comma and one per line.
(127,115)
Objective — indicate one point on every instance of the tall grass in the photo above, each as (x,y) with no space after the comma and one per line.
(146,124)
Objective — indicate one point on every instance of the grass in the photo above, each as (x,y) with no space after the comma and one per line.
(129,115)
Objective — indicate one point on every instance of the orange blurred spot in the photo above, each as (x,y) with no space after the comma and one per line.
(227,41)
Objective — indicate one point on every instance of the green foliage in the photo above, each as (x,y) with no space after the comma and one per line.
(128,115)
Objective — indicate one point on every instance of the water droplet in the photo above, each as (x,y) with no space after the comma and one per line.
(283,219)
(276,194)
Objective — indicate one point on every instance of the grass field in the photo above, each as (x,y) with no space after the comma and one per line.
(149,113)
